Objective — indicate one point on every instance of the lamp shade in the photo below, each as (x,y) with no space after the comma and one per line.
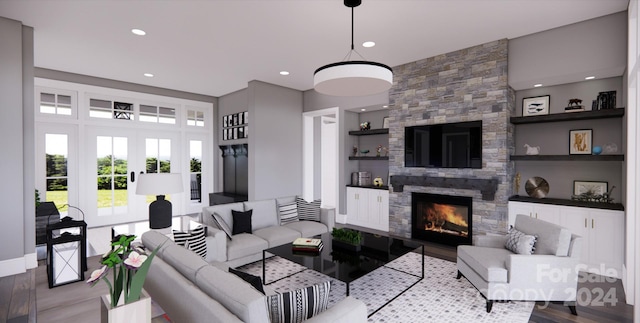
(353,78)
(159,184)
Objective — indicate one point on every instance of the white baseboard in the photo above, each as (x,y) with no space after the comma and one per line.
(31,260)
(341,218)
(12,267)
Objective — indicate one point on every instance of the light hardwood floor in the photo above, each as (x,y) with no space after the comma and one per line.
(78,302)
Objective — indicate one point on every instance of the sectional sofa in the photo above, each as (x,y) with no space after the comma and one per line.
(191,290)
(266,226)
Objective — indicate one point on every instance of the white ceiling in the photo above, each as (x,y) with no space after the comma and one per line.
(216,47)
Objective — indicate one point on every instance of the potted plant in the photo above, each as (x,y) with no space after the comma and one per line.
(347,239)
(127,301)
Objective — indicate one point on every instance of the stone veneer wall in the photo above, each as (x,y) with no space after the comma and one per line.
(466,85)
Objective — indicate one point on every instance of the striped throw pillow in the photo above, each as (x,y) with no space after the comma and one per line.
(288,212)
(193,240)
(298,305)
(308,210)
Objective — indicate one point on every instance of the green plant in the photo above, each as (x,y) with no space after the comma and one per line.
(129,266)
(347,235)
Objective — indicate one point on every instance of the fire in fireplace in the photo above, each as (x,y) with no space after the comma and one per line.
(442,219)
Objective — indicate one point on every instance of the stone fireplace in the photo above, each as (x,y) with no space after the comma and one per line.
(442,219)
(466,85)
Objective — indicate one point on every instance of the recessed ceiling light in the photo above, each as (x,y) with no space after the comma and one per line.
(148,74)
(537,85)
(589,77)
(385,106)
(138,32)
(284,73)
(363,109)
(368,44)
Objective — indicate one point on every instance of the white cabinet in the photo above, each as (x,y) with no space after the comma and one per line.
(602,232)
(544,212)
(367,207)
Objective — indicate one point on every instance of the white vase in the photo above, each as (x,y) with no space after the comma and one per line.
(138,311)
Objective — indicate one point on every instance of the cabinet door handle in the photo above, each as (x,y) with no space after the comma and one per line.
(593,223)
(585,223)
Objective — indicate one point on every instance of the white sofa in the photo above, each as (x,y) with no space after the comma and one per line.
(191,290)
(267,230)
(549,274)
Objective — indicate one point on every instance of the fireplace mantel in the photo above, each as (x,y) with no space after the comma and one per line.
(488,187)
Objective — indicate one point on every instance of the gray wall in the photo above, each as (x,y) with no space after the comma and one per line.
(16,240)
(553,139)
(346,166)
(29,144)
(228,104)
(275,141)
(558,56)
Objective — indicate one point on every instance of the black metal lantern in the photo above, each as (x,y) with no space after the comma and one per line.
(66,251)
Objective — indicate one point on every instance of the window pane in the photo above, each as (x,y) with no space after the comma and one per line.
(64,111)
(45,108)
(100,104)
(64,99)
(56,151)
(97,113)
(167,111)
(167,120)
(105,195)
(147,109)
(48,97)
(165,155)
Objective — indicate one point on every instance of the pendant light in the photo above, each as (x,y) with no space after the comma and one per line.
(353,78)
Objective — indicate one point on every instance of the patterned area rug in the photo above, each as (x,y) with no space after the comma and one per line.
(439,297)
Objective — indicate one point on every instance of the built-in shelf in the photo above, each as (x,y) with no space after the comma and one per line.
(368,158)
(565,202)
(570,116)
(368,132)
(569,157)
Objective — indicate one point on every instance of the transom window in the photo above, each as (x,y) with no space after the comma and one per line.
(105,109)
(51,103)
(195,118)
(157,114)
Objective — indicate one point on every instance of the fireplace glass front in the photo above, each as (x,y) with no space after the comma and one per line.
(441,219)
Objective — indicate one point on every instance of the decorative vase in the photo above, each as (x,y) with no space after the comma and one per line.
(138,311)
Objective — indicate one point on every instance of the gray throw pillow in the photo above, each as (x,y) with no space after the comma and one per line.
(221,224)
(520,243)
(288,212)
(308,210)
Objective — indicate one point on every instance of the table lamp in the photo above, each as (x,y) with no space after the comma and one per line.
(159,184)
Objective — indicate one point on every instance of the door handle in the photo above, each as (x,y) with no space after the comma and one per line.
(133,177)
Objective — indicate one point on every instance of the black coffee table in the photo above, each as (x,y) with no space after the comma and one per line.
(347,266)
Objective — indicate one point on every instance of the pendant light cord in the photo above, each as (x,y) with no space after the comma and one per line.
(348,56)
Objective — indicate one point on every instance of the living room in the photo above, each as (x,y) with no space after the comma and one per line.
(270,104)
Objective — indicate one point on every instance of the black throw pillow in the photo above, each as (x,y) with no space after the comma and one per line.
(241,221)
(255,281)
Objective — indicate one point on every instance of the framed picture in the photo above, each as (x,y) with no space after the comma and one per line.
(580,141)
(224,121)
(535,106)
(590,187)
(385,123)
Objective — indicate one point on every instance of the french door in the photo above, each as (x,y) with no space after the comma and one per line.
(115,157)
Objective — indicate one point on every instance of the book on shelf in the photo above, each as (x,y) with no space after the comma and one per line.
(307,242)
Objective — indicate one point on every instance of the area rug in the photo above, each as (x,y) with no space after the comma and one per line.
(439,297)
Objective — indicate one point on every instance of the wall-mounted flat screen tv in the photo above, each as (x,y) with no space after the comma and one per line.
(449,145)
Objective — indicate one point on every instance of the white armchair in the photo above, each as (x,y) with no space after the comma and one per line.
(549,274)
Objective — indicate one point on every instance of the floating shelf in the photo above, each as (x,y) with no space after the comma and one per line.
(368,132)
(565,202)
(569,157)
(368,158)
(570,116)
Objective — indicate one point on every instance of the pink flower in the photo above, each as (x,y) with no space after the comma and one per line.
(96,275)
(134,260)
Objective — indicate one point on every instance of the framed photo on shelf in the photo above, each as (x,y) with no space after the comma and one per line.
(580,141)
(224,121)
(590,187)
(385,123)
(224,134)
(535,106)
